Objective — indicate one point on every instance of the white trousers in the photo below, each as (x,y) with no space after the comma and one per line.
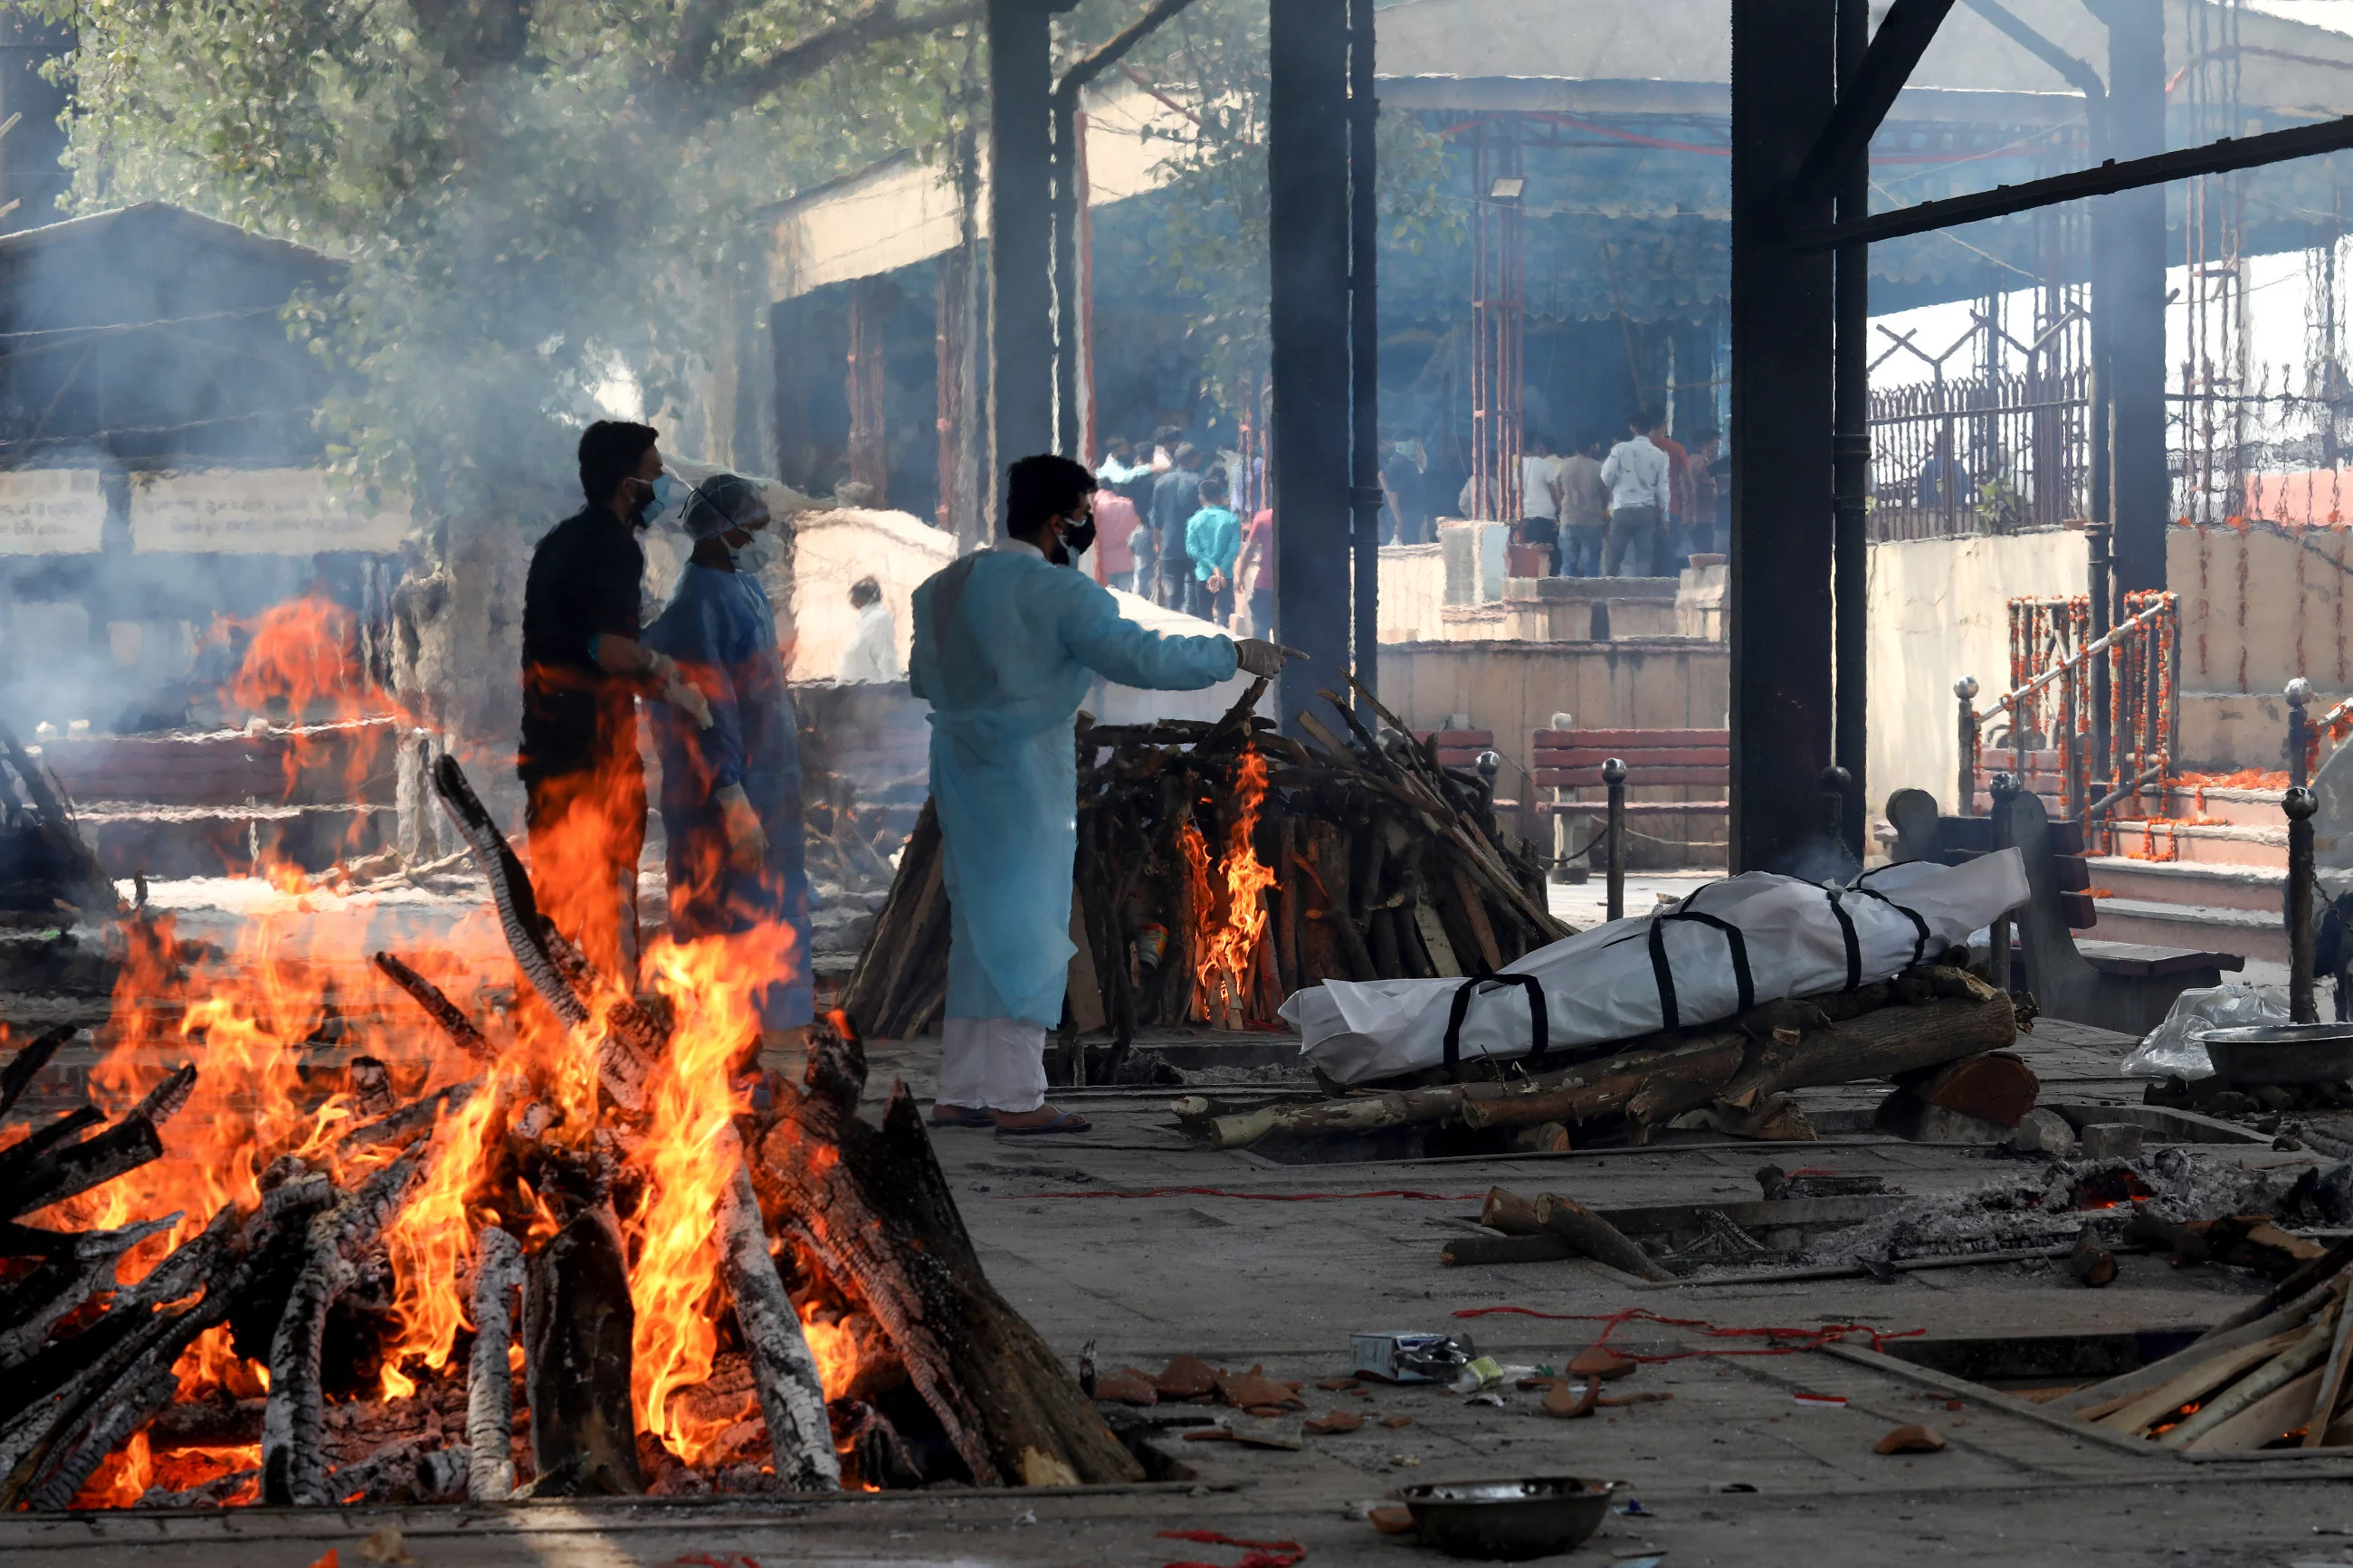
(996,1063)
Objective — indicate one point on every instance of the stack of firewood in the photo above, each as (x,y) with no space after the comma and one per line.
(1368,861)
(2274,1375)
(1733,1076)
(822,1220)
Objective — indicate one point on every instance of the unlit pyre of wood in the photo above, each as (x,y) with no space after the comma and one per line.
(1386,865)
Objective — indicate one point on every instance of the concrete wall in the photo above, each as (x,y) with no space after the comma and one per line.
(1516,688)
(2261,607)
(1939,610)
(1413,591)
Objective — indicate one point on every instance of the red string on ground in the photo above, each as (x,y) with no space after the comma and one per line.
(1801,1339)
(1257,1553)
(1256,1197)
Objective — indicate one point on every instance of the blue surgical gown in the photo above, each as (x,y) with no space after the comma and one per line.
(721,630)
(1006,647)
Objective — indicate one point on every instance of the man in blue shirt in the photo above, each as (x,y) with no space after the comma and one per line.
(1213,537)
(1007,643)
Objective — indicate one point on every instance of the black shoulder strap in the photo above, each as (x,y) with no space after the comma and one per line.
(1662,973)
(1919,923)
(1836,895)
(1539,1023)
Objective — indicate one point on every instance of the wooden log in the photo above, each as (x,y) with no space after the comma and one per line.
(577,1326)
(105,1429)
(2141,1380)
(511,892)
(2273,1417)
(791,1394)
(1289,898)
(1877,1044)
(35,1305)
(873,1209)
(411,1121)
(1509,1213)
(439,1008)
(1465,1250)
(2307,1280)
(1351,1114)
(2132,1413)
(1595,1238)
(293,1422)
(2331,1390)
(26,1062)
(18,1161)
(490,1381)
(1995,1087)
(644,1036)
(868,993)
(2309,1350)
(1666,1083)
(1332,863)
(121,1148)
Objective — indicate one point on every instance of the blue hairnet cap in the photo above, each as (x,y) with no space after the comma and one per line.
(721,502)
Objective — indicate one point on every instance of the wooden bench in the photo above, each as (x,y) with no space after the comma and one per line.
(2123,986)
(1568,765)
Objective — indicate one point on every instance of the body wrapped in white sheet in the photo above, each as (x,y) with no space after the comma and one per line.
(1606,984)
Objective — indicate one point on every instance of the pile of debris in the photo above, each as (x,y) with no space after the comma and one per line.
(1223,866)
(796,1305)
(46,868)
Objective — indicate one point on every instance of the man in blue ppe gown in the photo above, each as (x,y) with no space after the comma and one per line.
(1007,642)
(731,791)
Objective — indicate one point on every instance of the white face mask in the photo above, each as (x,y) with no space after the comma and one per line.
(758,555)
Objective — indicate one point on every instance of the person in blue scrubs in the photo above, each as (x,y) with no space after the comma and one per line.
(731,793)
(1007,643)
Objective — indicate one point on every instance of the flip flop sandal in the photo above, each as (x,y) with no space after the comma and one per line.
(969,1118)
(1064,1122)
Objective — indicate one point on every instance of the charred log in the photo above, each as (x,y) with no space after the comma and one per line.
(439,1008)
(873,1208)
(577,1323)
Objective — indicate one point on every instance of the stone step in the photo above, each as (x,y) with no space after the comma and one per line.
(2225,803)
(2212,844)
(2190,882)
(2253,933)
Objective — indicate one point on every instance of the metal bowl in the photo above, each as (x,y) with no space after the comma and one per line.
(2281,1053)
(1508,1522)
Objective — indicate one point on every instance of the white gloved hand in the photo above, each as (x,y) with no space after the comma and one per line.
(688,699)
(747,841)
(1256,656)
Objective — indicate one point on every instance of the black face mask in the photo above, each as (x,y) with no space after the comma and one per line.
(1081,539)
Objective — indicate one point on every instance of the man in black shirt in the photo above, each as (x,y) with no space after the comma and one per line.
(583,668)
(1175,496)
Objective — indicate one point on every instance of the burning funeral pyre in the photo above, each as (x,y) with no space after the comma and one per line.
(322,1252)
(1224,867)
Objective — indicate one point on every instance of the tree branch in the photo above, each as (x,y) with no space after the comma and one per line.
(873,22)
(1109,54)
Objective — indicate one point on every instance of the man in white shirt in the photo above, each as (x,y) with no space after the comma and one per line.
(1636,473)
(1540,501)
(872,655)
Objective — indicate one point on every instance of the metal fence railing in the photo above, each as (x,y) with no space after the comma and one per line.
(1993,454)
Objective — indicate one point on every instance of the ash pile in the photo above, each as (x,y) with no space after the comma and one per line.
(581,1245)
(1223,866)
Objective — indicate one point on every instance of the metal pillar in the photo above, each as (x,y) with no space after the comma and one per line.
(1020,232)
(2141,494)
(1783,82)
(1498,284)
(1364,351)
(1307,182)
(1851,445)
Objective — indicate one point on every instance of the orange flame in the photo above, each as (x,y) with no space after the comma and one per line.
(429,1241)
(1226,951)
(688,1156)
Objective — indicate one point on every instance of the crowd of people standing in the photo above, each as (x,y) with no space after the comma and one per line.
(1166,529)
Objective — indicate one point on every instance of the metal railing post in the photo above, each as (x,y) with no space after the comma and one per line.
(1997,929)
(2299,806)
(1966,804)
(2299,732)
(2071,755)
(2097,675)
(1613,778)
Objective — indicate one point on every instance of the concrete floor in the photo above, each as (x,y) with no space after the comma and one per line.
(1096,1237)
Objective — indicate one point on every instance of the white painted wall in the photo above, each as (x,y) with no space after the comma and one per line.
(1939,610)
